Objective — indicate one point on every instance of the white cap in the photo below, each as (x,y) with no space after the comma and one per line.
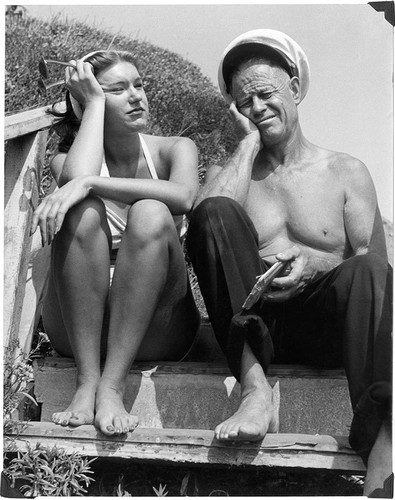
(292,54)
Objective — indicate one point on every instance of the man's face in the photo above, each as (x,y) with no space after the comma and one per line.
(268,97)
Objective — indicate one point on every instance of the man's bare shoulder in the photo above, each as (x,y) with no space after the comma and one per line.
(351,172)
(342,164)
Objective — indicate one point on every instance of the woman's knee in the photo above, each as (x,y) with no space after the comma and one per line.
(85,219)
(150,220)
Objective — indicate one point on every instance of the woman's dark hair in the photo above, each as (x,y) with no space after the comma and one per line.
(67,124)
(250,52)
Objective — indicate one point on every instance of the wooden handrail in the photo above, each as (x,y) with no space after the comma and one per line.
(28,121)
(26,134)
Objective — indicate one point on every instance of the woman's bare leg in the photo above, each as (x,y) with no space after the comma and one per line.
(150,262)
(78,291)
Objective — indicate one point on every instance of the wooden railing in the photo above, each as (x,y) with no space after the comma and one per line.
(26,138)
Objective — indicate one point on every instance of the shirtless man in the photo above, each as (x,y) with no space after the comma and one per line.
(281,198)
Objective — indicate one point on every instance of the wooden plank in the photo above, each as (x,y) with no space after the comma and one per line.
(201,368)
(36,281)
(192,446)
(23,165)
(27,122)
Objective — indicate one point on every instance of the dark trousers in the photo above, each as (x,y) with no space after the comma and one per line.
(343,318)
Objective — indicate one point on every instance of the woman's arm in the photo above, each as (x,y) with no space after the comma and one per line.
(86,153)
(178,193)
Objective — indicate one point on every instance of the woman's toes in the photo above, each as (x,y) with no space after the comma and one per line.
(125,425)
(106,427)
(78,419)
(118,425)
(61,418)
(132,422)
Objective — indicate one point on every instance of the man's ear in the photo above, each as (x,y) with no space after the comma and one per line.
(294,86)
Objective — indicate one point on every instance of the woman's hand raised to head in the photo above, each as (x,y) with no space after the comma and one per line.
(49,215)
(82,84)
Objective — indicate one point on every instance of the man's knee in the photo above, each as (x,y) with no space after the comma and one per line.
(212,208)
(85,219)
(210,217)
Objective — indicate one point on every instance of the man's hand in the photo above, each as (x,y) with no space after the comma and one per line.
(243,126)
(49,215)
(295,281)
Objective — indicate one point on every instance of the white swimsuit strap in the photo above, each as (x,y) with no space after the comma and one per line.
(148,158)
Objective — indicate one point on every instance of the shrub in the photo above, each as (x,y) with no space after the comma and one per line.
(182,100)
(49,472)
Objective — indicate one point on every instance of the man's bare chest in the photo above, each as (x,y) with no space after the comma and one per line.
(299,209)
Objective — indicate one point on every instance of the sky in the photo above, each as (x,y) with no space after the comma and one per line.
(349,106)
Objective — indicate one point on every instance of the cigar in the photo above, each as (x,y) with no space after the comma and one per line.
(263,284)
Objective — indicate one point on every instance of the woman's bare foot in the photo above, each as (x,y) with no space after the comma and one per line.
(81,409)
(255,417)
(111,417)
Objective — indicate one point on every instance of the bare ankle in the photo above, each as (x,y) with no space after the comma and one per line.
(87,384)
(117,387)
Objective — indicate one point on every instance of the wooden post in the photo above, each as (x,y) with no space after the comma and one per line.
(23,166)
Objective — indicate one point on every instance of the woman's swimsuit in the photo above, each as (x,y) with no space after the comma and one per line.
(117,223)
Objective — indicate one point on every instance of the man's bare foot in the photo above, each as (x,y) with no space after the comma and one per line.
(111,417)
(255,417)
(80,411)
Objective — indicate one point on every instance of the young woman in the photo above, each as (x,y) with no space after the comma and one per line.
(120,205)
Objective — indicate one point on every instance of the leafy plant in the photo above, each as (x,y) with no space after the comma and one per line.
(120,488)
(49,472)
(161,492)
(17,377)
(185,483)
(18,374)
(43,471)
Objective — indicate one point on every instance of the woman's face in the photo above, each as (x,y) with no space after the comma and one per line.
(126,102)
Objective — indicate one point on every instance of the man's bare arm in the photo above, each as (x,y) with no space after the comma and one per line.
(362,217)
(233,179)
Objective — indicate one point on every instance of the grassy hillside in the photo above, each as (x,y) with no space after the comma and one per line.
(182,100)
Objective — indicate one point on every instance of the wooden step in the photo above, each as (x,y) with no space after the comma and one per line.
(191,446)
(193,395)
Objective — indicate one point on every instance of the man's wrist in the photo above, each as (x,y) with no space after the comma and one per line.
(252,141)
